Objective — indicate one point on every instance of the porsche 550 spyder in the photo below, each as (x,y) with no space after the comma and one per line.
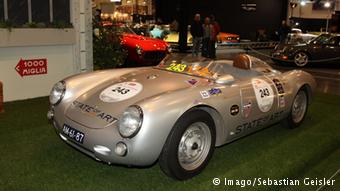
(176,112)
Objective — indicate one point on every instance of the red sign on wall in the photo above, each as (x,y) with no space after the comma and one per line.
(31,67)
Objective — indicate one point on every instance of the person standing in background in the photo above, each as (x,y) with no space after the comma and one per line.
(217,30)
(196,31)
(284,31)
(174,25)
(208,35)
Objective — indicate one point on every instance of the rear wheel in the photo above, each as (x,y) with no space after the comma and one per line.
(301,59)
(189,146)
(299,109)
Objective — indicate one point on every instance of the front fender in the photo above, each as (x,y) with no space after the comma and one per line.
(161,113)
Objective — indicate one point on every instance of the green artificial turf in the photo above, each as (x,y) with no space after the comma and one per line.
(34,158)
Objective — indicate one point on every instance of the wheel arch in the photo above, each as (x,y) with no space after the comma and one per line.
(217,119)
(309,92)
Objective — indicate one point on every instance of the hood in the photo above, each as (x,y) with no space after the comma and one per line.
(104,104)
(146,43)
(224,34)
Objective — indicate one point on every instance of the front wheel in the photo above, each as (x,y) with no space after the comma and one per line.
(298,110)
(189,145)
(301,59)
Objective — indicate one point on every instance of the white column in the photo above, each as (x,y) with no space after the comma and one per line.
(81,14)
(51,10)
(29,10)
(6,9)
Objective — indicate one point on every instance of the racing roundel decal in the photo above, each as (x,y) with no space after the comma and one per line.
(234,110)
(121,91)
(264,94)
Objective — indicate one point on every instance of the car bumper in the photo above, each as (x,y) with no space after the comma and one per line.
(100,144)
(282,57)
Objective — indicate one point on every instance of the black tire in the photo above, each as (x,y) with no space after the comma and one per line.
(290,121)
(169,159)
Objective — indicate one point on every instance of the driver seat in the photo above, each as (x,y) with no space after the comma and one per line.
(242,61)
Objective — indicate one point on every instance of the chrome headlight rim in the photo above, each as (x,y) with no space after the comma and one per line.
(63,84)
(140,117)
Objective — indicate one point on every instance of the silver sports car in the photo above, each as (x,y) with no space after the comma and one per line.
(176,112)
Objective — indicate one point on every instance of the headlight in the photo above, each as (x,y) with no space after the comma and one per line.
(57,93)
(139,50)
(131,121)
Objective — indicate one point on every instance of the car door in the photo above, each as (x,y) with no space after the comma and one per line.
(332,48)
(336,48)
(259,104)
(324,50)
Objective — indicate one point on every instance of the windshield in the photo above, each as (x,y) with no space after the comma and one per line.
(120,28)
(211,69)
(322,39)
(200,67)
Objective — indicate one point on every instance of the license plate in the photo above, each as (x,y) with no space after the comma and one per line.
(73,134)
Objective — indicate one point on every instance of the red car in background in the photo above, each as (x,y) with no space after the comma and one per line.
(141,49)
(228,38)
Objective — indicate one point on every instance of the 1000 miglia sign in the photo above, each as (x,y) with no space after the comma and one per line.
(31,67)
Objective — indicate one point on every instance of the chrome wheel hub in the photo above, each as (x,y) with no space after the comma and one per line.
(299,107)
(194,146)
(301,59)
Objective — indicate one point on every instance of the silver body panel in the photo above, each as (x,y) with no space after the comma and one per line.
(165,97)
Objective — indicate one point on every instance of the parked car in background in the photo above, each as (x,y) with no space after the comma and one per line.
(297,36)
(324,48)
(222,38)
(228,38)
(141,49)
(177,112)
(173,37)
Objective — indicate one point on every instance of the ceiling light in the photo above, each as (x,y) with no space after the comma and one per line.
(327,4)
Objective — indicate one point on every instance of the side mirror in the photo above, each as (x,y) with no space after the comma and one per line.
(225,79)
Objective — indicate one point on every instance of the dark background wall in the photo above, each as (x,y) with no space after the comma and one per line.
(40,11)
(2,10)
(17,11)
(233,19)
